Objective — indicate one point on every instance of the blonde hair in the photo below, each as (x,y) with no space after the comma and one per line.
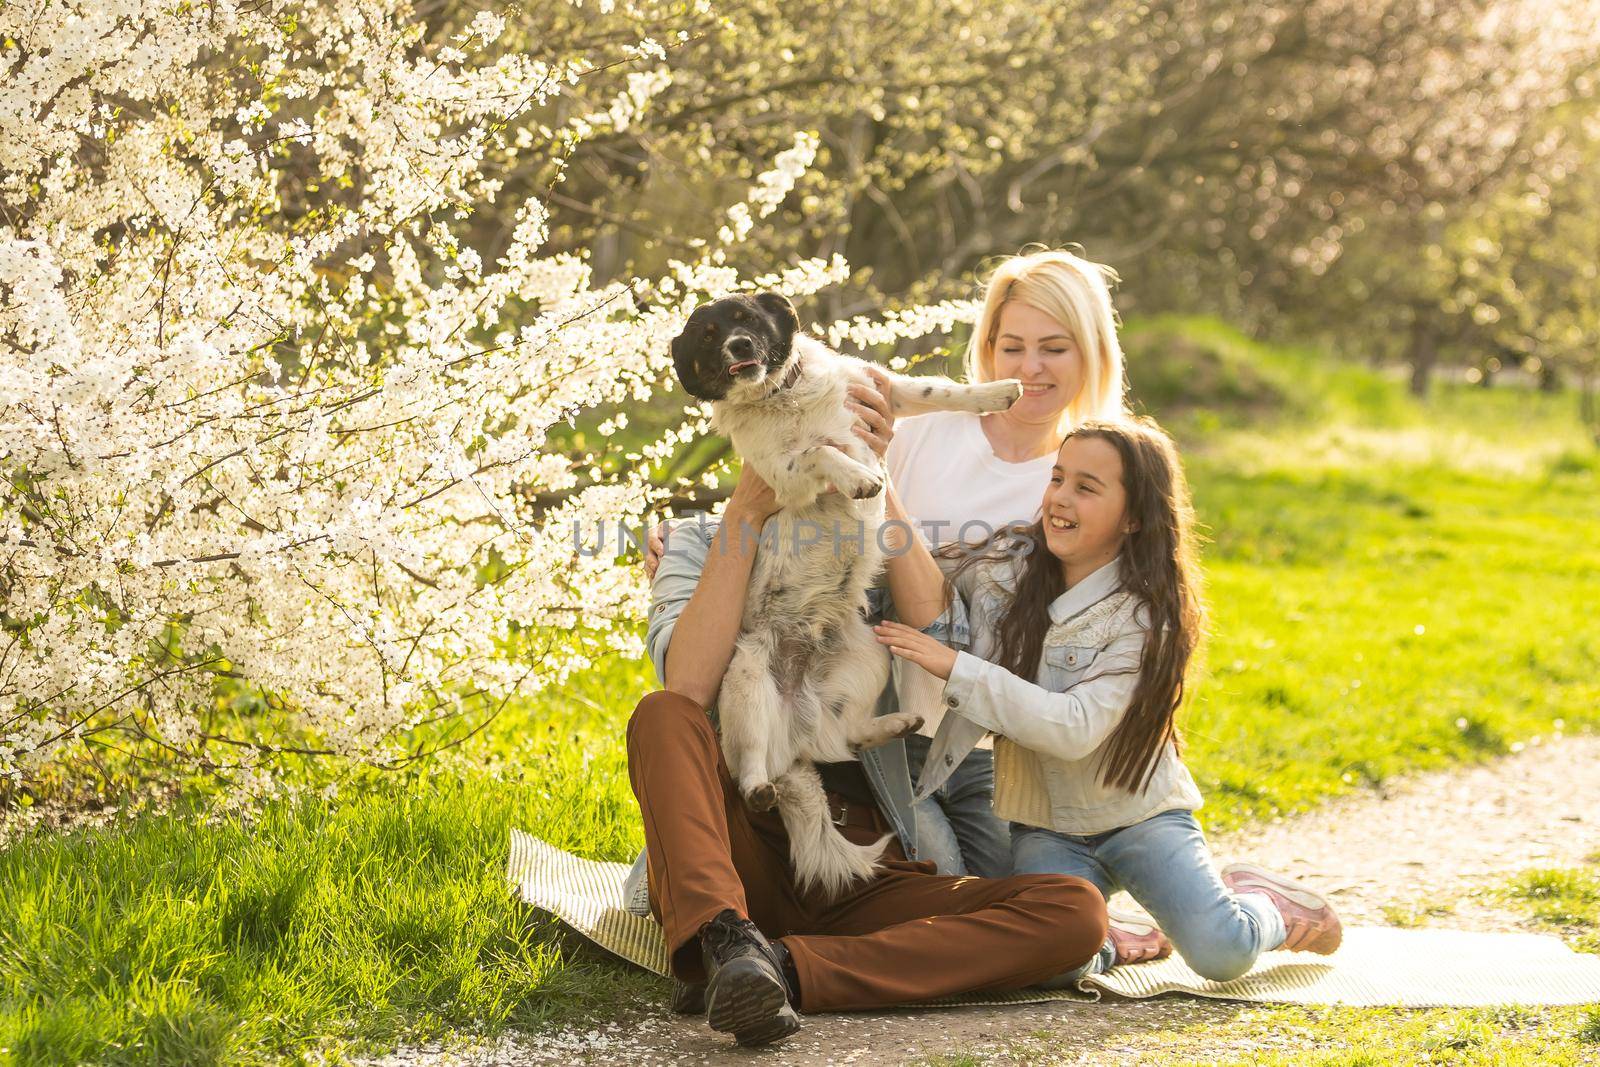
(1076,293)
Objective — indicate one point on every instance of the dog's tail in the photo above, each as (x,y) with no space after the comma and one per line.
(823,859)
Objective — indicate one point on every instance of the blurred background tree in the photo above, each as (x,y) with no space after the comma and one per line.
(1306,168)
(1528,260)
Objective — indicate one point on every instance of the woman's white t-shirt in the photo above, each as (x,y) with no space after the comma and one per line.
(950,481)
(948,478)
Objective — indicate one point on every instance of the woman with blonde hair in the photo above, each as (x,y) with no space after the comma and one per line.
(1046,320)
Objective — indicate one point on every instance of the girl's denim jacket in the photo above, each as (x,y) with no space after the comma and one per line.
(885,766)
(1052,730)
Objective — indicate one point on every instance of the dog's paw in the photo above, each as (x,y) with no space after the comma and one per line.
(911,725)
(883,729)
(763,797)
(859,485)
(867,490)
(998,396)
(900,724)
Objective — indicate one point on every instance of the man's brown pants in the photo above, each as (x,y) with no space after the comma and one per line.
(905,935)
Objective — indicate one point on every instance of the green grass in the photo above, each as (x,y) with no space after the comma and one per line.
(1341,520)
(1203,372)
(324,921)
(1567,900)
(1373,622)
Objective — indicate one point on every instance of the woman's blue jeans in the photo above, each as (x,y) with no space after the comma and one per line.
(1164,864)
(956,826)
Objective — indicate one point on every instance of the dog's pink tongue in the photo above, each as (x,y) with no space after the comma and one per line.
(737,367)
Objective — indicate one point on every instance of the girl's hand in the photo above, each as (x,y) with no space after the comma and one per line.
(916,646)
(655,548)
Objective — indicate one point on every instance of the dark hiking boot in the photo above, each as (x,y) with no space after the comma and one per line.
(688,998)
(747,994)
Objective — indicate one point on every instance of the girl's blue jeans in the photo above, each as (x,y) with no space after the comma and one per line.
(956,826)
(1164,864)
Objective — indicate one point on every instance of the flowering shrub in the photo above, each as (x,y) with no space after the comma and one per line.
(267,424)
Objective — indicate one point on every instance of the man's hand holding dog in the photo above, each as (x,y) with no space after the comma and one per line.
(753,500)
(916,646)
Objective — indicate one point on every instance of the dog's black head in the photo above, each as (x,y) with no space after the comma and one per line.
(743,338)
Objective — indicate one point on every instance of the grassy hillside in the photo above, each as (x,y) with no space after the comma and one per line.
(1393,586)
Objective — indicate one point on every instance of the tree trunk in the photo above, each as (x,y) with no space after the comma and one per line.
(1424,354)
(1549,377)
(1588,409)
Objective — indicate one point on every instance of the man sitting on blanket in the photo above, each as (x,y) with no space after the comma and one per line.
(719,877)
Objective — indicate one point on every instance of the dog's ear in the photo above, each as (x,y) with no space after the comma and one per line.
(782,312)
(688,369)
(683,360)
(688,357)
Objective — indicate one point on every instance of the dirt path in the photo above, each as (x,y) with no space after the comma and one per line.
(1430,841)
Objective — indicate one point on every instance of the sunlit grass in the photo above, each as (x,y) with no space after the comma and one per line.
(1373,622)
(1566,900)
(328,920)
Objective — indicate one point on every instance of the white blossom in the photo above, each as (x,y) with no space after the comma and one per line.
(296,450)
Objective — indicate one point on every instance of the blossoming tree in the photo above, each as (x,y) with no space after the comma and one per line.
(266,421)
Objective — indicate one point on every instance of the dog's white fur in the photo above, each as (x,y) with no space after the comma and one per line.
(806,671)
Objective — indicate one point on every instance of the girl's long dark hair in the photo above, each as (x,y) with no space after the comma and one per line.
(1159,567)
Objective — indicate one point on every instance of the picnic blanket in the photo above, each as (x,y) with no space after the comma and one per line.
(1375,967)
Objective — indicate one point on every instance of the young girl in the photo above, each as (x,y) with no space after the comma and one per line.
(1083,625)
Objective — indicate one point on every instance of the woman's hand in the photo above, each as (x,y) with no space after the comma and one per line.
(916,646)
(871,405)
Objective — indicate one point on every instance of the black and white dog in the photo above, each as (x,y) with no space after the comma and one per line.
(806,672)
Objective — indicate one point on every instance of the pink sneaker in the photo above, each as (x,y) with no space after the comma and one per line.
(1136,939)
(1308,918)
